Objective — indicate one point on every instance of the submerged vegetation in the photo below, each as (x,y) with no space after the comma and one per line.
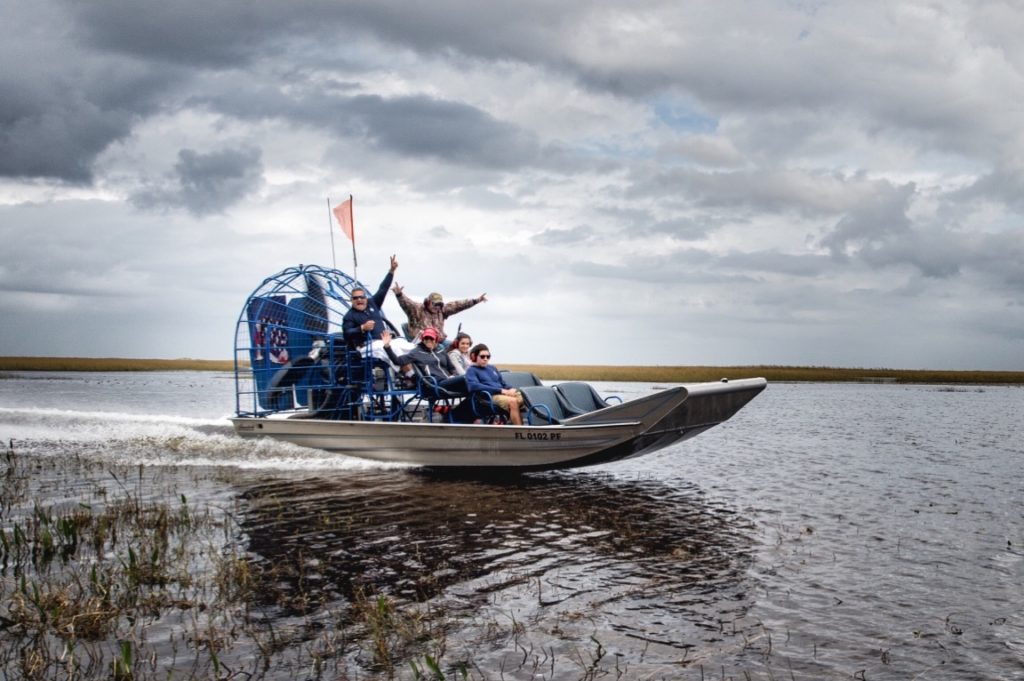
(551,372)
(112,572)
(128,581)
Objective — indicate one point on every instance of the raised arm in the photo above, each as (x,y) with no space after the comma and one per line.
(408,305)
(456,306)
(382,290)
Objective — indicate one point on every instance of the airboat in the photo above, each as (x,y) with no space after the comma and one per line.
(297,381)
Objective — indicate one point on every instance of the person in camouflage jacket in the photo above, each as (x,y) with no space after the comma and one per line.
(432,311)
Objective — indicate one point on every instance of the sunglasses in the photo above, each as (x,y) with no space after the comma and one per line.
(358,297)
(483,356)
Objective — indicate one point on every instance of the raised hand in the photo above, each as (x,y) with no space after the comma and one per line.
(394,264)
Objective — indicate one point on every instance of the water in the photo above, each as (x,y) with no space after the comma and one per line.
(827,531)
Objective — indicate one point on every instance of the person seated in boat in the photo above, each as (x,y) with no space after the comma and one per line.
(433,311)
(430,359)
(458,351)
(483,376)
(364,321)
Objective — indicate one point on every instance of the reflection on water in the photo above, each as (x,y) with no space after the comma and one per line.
(636,554)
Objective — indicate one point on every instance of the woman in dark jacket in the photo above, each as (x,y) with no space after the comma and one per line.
(430,360)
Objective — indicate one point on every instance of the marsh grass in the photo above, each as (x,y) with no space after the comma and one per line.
(82,581)
(112,364)
(553,372)
(129,579)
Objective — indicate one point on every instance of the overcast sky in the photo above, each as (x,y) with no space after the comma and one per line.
(720,182)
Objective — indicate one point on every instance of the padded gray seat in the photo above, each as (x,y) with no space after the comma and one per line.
(579,398)
(542,405)
(519,379)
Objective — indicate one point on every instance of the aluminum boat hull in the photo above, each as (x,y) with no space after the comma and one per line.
(618,432)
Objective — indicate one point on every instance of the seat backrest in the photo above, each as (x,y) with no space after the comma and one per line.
(519,379)
(542,405)
(580,397)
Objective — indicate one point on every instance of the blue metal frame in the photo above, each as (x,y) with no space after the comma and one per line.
(290,353)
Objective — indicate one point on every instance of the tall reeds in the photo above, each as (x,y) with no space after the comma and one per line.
(568,372)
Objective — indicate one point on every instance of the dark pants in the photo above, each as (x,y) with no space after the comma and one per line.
(455,384)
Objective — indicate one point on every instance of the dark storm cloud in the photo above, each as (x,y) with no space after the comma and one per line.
(450,131)
(223,33)
(53,131)
(60,106)
(410,125)
(204,184)
(214,34)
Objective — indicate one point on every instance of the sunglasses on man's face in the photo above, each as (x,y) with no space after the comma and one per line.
(355,298)
(483,356)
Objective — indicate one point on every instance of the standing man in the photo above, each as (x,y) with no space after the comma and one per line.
(432,312)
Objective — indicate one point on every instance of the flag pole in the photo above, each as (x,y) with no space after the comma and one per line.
(352,221)
(330,228)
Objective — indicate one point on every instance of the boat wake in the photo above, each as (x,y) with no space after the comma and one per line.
(155,439)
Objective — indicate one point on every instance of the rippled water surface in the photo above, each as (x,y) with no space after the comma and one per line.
(827,531)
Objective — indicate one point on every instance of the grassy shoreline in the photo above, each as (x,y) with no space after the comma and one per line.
(651,374)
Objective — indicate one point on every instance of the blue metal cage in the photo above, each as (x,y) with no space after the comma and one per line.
(286,335)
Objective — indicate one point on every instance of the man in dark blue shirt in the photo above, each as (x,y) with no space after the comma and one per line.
(365,316)
(364,321)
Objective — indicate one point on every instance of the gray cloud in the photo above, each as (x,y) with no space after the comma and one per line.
(1001,185)
(411,125)
(881,215)
(749,176)
(449,131)
(61,106)
(206,183)
(563,237)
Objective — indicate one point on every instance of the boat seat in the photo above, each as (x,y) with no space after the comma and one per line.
(436,398)
(542,405)
(578,397)
(518,379)
(481,407)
